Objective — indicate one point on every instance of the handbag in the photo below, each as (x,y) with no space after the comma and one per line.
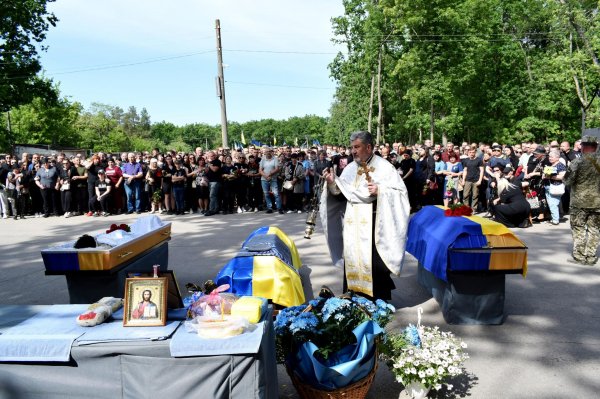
(557,189)
(65,187)
(288,185)
(534,203)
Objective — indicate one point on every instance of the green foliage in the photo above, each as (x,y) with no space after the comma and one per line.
(46,122)
(23,24)
(495,70)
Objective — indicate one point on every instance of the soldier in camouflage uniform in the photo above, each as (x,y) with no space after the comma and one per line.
(583,176)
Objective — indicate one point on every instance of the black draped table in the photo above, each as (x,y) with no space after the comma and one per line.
(137,369)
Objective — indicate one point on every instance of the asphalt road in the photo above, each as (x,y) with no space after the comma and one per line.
(548,346)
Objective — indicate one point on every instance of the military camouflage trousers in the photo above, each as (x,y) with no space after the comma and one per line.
(585,227)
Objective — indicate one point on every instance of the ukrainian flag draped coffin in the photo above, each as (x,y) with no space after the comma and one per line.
(267,266)
(463,243)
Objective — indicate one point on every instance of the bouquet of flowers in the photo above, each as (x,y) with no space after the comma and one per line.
(458,210)
(327,322)
(531,194)
(114,227)
(549,170)
(157,196)
(327,335)
(424,355)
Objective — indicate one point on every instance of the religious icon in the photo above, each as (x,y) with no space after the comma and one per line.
(145,302)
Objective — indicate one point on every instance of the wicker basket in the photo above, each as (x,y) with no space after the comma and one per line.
(357,390)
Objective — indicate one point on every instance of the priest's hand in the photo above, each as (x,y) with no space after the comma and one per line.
(373,189)
(328,176)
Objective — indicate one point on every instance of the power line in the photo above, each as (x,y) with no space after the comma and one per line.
(282,52)
(286,86)
(99,68)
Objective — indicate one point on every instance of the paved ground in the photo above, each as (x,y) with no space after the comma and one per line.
(548,347)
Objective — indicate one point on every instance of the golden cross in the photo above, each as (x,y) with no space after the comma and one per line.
(364,169)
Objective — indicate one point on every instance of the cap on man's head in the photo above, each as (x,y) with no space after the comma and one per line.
(539,150)
(100,171)
(589,140)
(496,147)
(507,169)
(45,159)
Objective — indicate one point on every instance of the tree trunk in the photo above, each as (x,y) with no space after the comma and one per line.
(432,124)
(370,123)
(380,128)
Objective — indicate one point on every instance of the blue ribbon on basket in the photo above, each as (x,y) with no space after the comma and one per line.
(350,364)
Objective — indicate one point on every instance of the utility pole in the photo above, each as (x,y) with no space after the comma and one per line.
(221,86)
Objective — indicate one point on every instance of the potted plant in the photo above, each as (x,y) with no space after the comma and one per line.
(329,345)
(422,357)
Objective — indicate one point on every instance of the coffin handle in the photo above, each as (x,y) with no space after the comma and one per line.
(124,254)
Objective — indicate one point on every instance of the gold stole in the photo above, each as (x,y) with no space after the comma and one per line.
(358,245)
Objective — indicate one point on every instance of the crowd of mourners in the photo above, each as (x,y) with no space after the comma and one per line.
(515,184)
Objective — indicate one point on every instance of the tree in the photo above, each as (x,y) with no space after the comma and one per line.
(22,25)
(46,122)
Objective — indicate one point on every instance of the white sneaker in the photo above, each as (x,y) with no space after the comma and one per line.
(289,211)
(239,209)
(299,211)
(152,211)
(67,214)
(4,216)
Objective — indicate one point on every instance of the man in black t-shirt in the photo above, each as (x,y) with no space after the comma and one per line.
(215,180)
(472,177)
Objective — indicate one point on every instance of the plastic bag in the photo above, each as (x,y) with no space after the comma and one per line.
(217,326)
(216,303)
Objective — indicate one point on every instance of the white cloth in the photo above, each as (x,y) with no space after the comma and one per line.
(351,241)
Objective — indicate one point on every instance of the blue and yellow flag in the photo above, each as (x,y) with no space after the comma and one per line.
(461,243)
(242,138)
(266,266)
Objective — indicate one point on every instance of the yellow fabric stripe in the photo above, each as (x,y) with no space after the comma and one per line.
(289,242)
(92,260)
(499,236)
(271,278)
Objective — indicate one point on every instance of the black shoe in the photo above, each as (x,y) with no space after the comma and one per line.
(210,213)
(129,212)
(281,211)
(269,210)
(46,215)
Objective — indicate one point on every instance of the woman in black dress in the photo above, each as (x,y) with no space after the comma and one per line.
(511,207)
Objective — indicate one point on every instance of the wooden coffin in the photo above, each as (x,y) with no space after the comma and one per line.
(65,258)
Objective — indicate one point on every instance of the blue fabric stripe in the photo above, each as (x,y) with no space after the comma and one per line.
(238,274)
(469,261)
(61,261)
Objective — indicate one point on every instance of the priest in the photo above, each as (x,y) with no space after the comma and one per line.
(365,212)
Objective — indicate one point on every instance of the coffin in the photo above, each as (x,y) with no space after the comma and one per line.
(147,232)
(266,266)
(463,244)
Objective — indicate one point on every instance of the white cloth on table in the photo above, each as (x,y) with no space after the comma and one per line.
(45,337)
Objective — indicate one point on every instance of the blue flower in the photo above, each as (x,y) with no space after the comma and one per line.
(333,306)
(304,323)
(286,317)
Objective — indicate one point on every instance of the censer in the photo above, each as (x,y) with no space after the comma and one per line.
(313,213)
